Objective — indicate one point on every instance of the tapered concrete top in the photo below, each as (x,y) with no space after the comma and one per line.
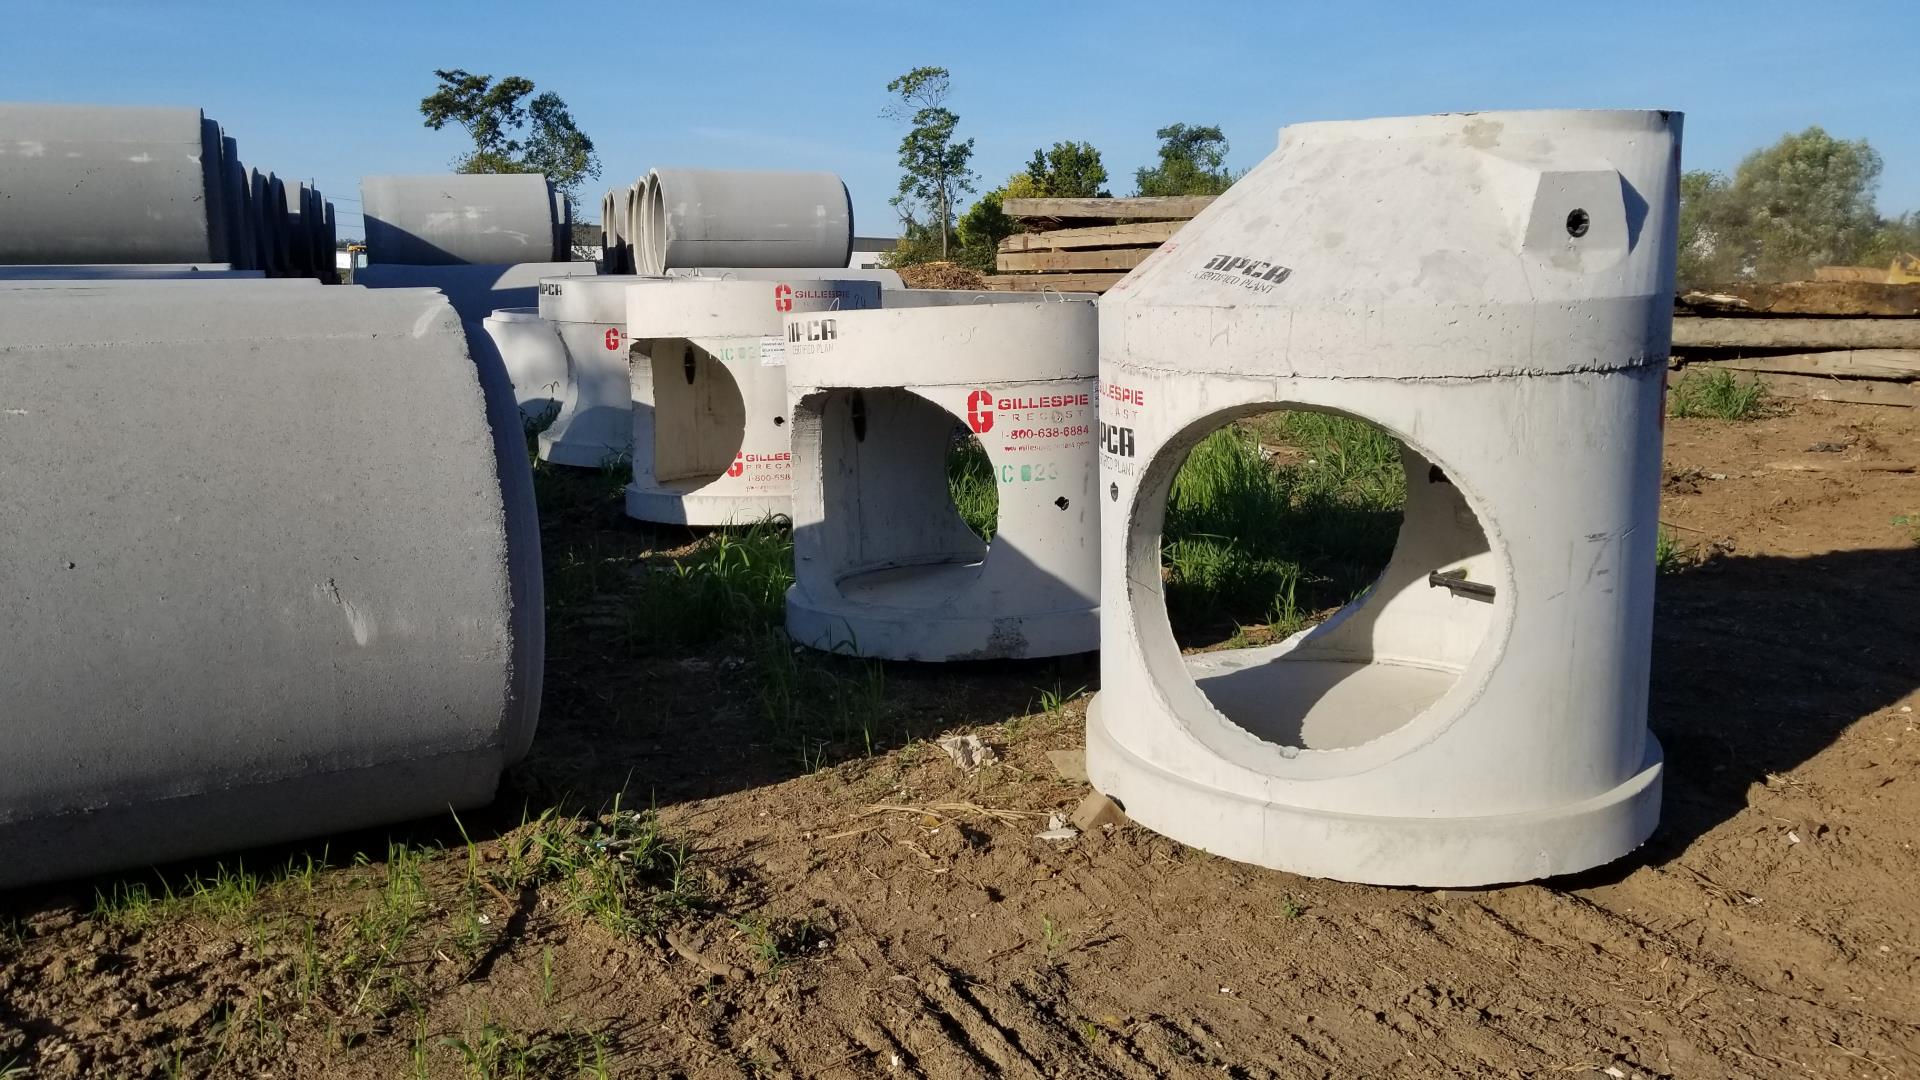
(1463,245)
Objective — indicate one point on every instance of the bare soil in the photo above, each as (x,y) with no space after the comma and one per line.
(873,911)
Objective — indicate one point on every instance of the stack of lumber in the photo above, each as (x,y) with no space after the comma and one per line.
(1833,340)
(1085,245)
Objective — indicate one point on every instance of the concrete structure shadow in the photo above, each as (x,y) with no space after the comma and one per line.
(1760,663)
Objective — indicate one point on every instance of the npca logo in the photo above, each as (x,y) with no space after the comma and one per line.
(783,298)
(980,411)
(739,465)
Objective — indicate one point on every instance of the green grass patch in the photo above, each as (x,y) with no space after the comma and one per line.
(971,485)
(1718,395)
(1254,540)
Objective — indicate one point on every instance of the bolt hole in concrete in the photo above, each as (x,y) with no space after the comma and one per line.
(1297,579)
(1577,223)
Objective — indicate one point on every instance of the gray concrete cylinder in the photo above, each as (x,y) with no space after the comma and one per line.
(148,190)
(224,634)
(716,217)
(233,195)
(453,219)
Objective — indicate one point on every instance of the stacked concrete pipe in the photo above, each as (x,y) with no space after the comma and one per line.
(457,219)
(883,564)
(717,217)
(711,442)
(1480,714)
(134,185)
(240,629)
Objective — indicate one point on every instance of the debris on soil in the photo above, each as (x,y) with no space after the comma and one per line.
(1057,829)
(968,752)
(1096,811)
(1070,764)
(941,275)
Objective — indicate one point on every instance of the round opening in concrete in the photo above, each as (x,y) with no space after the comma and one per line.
(699,418)
(1333,580)
(923,541)
(971,485)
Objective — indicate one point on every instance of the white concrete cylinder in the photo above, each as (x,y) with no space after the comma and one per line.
(721,217)
(535,359)
(457,218)
(1495,290)
(883,564)
(711,442)
(319,610)
(594,428)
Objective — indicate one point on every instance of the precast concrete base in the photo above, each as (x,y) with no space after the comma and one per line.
(711,439)
(884,565)
(1479,714)
(1434,851)
(594,427)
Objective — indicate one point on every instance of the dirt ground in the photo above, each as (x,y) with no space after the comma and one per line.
(869,910)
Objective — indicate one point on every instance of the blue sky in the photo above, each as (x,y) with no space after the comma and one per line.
(330,91)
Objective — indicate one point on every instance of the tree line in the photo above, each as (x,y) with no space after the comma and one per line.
(936,169)
(1804,202)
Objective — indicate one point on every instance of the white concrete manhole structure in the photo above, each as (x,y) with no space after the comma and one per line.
(535,359)
(594,427)
(1495,290)
(884,565)
(711,442)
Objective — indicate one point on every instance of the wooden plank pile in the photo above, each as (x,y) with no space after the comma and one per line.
(1832,340)
(1086,245)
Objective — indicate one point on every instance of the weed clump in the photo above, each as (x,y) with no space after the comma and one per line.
(1718,395)
(1260,536)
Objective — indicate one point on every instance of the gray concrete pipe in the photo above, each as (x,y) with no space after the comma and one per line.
(640,227)
(459,219)
(716,217)
(228,634)
(233,193)
(149,190)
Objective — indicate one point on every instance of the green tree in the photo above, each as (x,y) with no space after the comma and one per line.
(511,134)
(981,229)
(1807,201)
(934,165)
(1193,161)
(1708,249)
(1802,203)
(1071,170)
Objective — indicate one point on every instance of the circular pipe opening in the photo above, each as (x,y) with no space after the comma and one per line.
(1337,580)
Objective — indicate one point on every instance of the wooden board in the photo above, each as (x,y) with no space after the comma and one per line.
(1133,232)
(1857,391)
(1897,365)
(1091,282)
(1152,208)
(1102,259)
(1805,298)
(1850,273)
(1795,333)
